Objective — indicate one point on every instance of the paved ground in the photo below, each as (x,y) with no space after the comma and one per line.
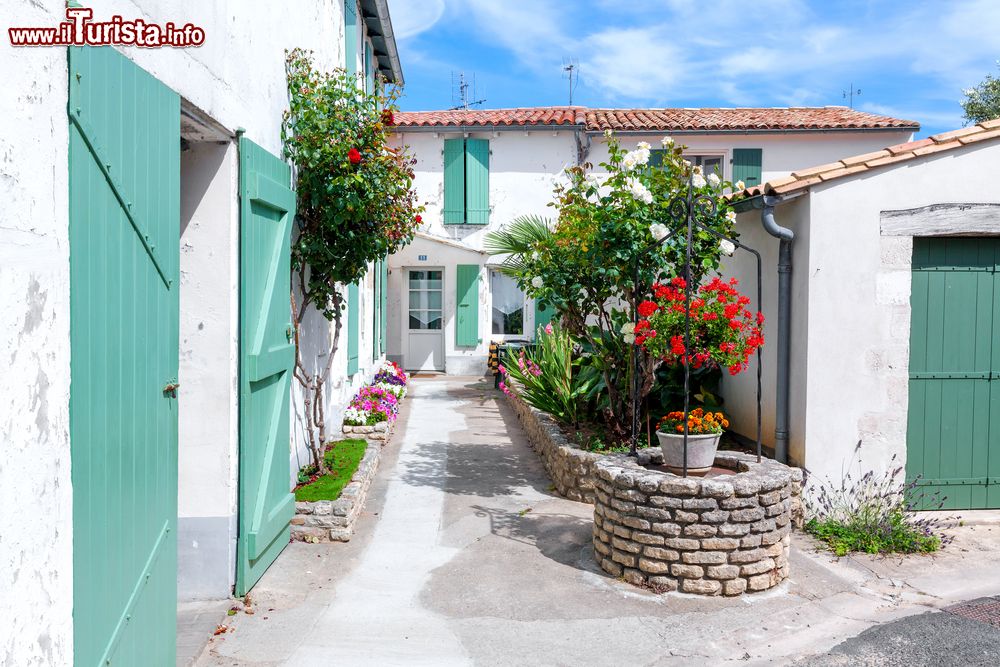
(464,556)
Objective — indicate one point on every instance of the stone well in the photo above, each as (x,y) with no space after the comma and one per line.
(725,534)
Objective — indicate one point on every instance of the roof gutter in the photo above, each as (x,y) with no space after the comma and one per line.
(416,129)
(379,25)
(825,130)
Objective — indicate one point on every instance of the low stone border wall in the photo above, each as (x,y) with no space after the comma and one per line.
(570,468)
(721,535)
(333,520)
(380,431)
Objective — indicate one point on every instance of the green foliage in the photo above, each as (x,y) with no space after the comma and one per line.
(586,265)
(897,536)
(356,204)
(548,376)
(982,103)
(342,459)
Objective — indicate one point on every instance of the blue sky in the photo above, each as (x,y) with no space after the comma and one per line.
(910,59)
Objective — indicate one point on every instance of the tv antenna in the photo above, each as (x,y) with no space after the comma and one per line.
(571,68)
(460,98)
(850,93)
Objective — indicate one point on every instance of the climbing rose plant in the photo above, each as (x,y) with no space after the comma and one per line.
(723,331)
(355,203)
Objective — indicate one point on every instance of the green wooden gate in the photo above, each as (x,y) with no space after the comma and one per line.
(953,427)
(267,356)
(124,230)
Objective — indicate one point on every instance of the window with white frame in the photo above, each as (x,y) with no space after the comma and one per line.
(508,305)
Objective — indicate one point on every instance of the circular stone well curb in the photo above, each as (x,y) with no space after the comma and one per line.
(723,535)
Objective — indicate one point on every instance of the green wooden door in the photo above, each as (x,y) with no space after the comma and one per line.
(543,314)
(953,424)
(467,305)
(124,231)
(267,355)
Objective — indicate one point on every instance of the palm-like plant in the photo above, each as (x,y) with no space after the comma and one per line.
(517,240)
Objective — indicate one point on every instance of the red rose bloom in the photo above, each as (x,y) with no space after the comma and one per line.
(418,219)
(388,118)
(647,308)
(354,155)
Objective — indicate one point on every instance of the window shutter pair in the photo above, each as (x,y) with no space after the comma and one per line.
(467,305)
(466,181)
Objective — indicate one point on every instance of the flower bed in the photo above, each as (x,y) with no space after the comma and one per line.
(371,416)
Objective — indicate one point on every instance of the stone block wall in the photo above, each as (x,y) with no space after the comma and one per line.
(724,535)
(571,469)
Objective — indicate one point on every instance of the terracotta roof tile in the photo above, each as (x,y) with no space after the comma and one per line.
(806,178)
(660,120)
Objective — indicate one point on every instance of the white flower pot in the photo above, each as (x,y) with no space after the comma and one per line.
(700,452)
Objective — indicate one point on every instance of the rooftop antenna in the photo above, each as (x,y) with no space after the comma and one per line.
(572,72)
(850,93)
(460,98)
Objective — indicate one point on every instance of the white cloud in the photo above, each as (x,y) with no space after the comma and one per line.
(412,17)
(634,62)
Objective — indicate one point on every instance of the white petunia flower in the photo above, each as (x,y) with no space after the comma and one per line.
(731,216)
(714,180)
(740,186)
(658,231)
(698,180)
(628,328)
(667,142)
(537,282)
(727,247)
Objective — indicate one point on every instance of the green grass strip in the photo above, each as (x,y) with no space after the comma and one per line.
(342,458)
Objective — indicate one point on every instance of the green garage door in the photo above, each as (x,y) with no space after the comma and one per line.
(953,429)
(267,355)
(124,229)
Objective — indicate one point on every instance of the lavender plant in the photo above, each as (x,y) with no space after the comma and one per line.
(874,513)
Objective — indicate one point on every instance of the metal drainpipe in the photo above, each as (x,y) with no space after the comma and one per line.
(785,236)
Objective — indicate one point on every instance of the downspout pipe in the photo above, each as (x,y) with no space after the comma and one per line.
(785,237)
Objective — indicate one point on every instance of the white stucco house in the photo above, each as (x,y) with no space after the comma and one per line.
(477,170)
(150,426)
(892,261)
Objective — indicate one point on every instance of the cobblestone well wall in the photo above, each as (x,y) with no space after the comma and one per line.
(570,468)
(723,535)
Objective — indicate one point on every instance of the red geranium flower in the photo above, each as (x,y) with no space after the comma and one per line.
(647,308)
(354,155)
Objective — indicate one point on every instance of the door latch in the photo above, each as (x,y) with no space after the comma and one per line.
(289,333)
(171,388)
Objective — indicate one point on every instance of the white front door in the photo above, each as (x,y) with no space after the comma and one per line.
(425,320)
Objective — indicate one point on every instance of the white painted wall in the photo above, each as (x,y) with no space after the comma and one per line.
(36,530)
(208,406)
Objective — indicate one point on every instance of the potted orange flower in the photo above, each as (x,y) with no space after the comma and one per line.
(704,431)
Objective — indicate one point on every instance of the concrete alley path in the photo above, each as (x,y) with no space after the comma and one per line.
(464,556)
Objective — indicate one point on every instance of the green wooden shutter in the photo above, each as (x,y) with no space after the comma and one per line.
(383,339)
(124,231)
(656,157)
(377,310)
(747,164)
(351,36)
(353,328)
(953,419)
(369,69)
(543,313)
(477,181)
(267,356)
(454,181)
(467,305)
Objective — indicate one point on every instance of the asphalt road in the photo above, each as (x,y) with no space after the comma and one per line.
(939,639)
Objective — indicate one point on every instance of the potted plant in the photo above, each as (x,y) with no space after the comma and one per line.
(704,431)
